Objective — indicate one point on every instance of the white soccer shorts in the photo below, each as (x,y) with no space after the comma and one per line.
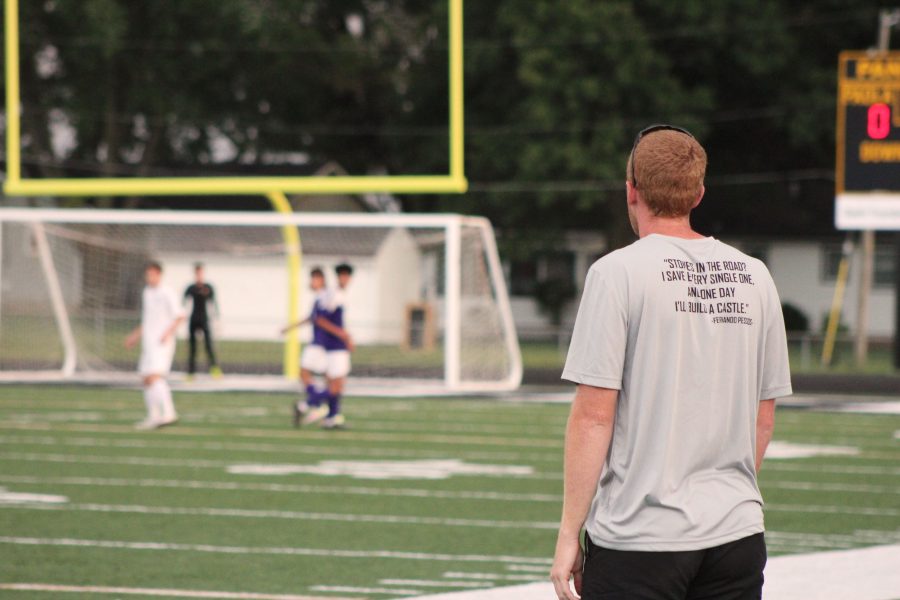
(314,359)
(156,359)
(338,364)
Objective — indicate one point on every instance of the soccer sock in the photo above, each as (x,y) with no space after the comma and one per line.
(151,404)
(164,398)
(334,404)
(315,395)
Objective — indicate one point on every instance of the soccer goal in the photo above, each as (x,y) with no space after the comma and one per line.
(428,307)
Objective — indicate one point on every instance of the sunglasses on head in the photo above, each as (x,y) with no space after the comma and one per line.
(646,131)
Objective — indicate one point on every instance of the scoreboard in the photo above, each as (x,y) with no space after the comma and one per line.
(867,173)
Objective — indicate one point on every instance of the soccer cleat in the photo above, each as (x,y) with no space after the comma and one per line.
(300,409)
(215,371)
(315,415)
(166,422)
(335,422)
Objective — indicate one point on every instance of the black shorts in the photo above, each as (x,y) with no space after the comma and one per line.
(732,571)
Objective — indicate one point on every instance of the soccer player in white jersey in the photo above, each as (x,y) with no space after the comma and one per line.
(338,346)
(679,352)
(314,360)
(161,315)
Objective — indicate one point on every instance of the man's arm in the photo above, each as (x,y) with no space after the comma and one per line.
(765,425)
(215,304)
(172,328)
(132,338)
(588,434)
(290,326)
(334,330)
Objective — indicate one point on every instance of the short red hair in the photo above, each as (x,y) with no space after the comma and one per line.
(669,167)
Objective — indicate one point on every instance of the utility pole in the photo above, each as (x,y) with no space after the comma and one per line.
(887,19)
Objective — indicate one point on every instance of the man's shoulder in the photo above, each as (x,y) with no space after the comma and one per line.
(616,261)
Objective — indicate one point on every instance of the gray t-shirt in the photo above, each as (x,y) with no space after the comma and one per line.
(691,334)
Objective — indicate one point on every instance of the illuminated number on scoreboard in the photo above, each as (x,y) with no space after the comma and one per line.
(879,123)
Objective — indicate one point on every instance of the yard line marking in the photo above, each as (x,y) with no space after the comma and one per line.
(198,463)
(857,538)
(834,510)
(495,576)
(780,449)
(385,469)
(282,514)
(94,589)
(349,589)
(452,440)
(429,583)
(7,497)
(831,487)
(861,574)
(855,470)
(286,448)
(286,551)
(284,487)
(532,568)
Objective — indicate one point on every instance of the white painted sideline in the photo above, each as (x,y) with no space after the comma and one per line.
(860,574)
(94,589)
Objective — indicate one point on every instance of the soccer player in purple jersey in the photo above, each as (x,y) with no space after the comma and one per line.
(314,360)
(338,346)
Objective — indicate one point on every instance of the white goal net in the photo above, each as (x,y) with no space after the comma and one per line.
(427,306)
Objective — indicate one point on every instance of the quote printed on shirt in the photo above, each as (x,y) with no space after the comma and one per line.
(712,288)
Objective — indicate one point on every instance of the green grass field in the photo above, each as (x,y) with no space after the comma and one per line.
(163,510)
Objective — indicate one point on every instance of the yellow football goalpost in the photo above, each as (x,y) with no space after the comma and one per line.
(273,188)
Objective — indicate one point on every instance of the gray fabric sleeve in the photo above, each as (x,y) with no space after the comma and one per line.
(597,351)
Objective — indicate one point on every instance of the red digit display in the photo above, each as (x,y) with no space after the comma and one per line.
(879,122)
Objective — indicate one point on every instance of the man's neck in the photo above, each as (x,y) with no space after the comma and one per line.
(679,227)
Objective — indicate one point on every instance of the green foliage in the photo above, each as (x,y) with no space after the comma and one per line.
(795,320)
(553,295)
(555,92)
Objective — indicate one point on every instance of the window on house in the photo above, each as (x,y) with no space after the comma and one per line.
(885,266)
(884,269)
(559,266)
(831,260)
(522,277)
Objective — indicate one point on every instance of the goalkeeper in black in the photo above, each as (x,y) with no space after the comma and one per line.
(201,295)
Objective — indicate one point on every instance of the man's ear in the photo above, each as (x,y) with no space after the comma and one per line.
(699,197)
(630,193)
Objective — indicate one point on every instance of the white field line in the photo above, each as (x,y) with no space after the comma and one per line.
(280,551)
(349,589)
(831,487)
(192,463)
(283,514)
(834,540)
(819,468)
(285,488)
(528,568)
(285,448)
(833,510)
(430,583)
(94,589)
(382,417)
(497,576)
(349,435)
(860,574)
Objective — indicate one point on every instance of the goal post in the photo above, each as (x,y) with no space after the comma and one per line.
(428,305)
(453,181)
